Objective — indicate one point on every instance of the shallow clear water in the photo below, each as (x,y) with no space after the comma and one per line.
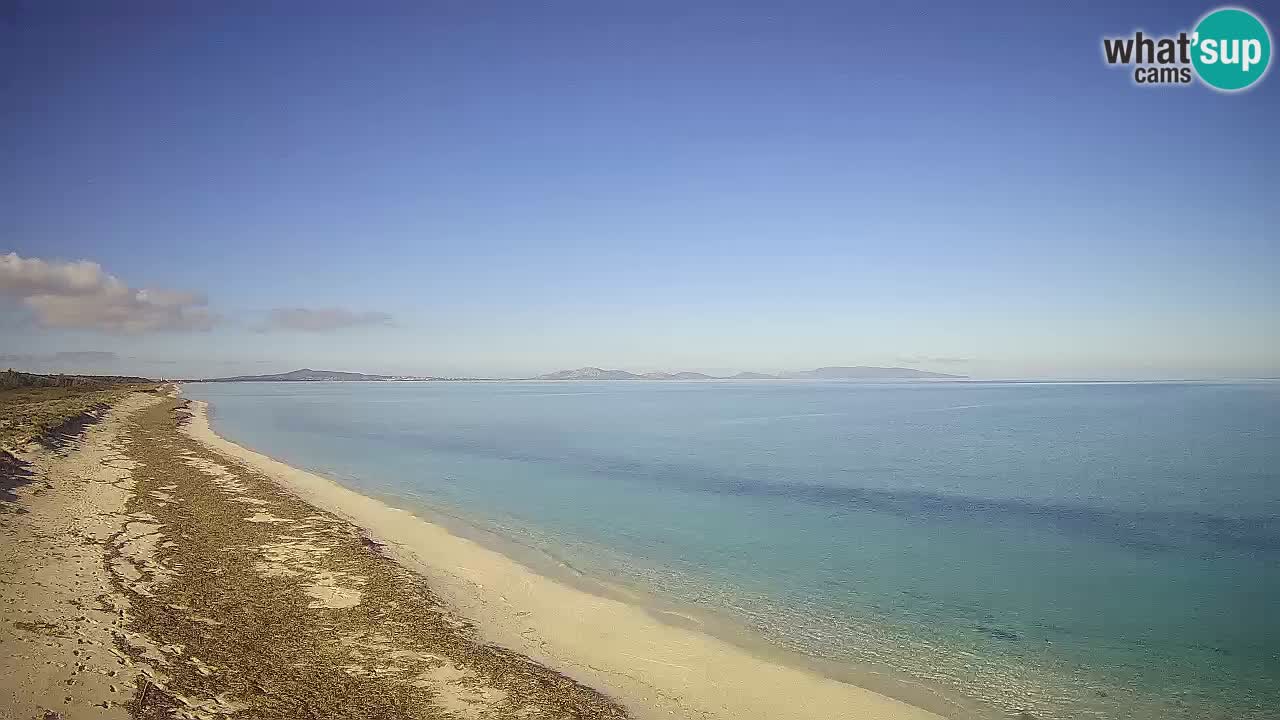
(1073,550)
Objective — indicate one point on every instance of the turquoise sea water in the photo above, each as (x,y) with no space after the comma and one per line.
(1070,550)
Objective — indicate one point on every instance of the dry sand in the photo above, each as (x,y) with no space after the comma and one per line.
(657,670)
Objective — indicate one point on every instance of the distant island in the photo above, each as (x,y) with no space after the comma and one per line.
(860,372)
(595,373)
(309,375)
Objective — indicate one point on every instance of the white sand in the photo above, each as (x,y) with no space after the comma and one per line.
(657,670)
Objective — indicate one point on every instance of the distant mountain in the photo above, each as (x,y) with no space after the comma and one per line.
(589,373)
(309,375)
(685,375)
(861,372)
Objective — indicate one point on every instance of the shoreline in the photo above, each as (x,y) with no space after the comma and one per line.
(659,659)
(883,680)
(148,576)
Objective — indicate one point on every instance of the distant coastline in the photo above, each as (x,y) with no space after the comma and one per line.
(858,372)
(309,375)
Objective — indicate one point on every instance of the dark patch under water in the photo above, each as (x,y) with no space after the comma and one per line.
(1140,530)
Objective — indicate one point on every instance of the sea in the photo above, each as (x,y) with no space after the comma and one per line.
(1041,550)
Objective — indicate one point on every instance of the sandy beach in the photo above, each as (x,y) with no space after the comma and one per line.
(155,569)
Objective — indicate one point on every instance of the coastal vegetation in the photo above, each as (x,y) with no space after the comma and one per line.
(33,406)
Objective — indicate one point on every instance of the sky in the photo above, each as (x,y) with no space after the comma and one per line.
(511,188)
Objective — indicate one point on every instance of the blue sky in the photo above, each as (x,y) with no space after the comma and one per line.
(509,188)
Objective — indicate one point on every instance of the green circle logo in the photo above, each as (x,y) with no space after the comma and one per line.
(1232,49)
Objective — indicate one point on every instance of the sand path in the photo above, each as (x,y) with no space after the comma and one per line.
(61,616)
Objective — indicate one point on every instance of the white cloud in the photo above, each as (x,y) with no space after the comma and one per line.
(80,295)
(322,319)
